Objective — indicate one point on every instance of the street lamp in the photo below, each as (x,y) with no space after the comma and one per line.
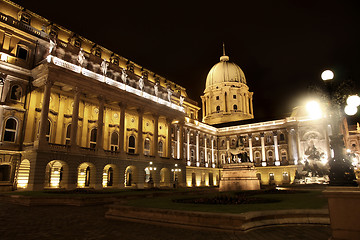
(353,102)
(341,169)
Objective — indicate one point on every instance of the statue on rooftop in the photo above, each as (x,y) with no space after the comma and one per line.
(141,83)
(181,101)
(124,75)
(156,89)
(104,65)
(169,93)
(81,57)
(52,46)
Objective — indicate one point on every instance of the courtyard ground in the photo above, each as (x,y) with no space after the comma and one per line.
(75,223)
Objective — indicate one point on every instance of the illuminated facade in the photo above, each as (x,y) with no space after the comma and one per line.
(74,114)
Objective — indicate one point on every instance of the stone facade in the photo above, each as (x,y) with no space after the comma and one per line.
(75,114)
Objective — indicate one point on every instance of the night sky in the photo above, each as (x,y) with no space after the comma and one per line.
(282,46)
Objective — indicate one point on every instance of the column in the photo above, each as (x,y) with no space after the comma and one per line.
(197,149)
(122,127)
(156,135)
(188,144)
(228,160)
(250,149)
(277,162)
(178,156)
(212,152)
(251,105)
(44,113)
(100,125)
(263,150)
(75,119)
(168,122)
(204,108)
(140,143)
(206,158)
(181,140)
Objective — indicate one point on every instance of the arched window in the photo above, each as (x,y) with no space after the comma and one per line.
(283,155)
(235,106)
(223,160)
(223,143)
(68,134)
(217,108)
(160,148)
(147,146)
(16,93)
(93,138)
(114,141)
(131,146)
(10,130)
(270,155)
(201,156)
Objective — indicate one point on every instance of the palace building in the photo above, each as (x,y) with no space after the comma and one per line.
(74,114)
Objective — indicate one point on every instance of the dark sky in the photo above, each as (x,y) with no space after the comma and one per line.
(282,46)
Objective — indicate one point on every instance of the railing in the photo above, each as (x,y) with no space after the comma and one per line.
(75,68)
(27,28)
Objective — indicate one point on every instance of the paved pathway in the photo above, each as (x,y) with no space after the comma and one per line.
(75,223)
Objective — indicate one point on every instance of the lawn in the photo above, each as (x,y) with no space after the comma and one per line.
(277,201)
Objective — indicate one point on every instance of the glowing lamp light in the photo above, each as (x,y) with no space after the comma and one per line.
(353,100)
(350,110)
(327,75)
(313,109)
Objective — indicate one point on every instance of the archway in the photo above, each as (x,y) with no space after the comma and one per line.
(23,174)
(56,174)
(164,177)
(130,176)
(110,176)
(86,175)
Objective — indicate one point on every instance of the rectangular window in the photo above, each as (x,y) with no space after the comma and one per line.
(234,96)
(25,18)
(21,52)
(77,43)
(271,177)
(217,97)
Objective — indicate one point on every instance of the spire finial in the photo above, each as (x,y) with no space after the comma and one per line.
(224,58)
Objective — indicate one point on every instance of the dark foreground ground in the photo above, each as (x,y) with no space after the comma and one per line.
(72,223)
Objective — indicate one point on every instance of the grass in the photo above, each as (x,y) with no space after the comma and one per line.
(298,200)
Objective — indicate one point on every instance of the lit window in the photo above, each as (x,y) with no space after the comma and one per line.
(10,130)
(21,52)
(93,137)
(147,146)
(160,148)
(271,176)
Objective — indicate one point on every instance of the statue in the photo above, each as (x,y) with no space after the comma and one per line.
(181,101)
(239,154)
(124,75)
(104,65)
(156,89)
(81,57)
(52,46)
(169,93)
(141,83)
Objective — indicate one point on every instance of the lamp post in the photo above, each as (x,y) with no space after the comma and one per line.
(341,169)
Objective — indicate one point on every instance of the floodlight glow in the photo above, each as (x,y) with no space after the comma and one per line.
(313,109)
(327,75)
(353,100)
(350,110)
